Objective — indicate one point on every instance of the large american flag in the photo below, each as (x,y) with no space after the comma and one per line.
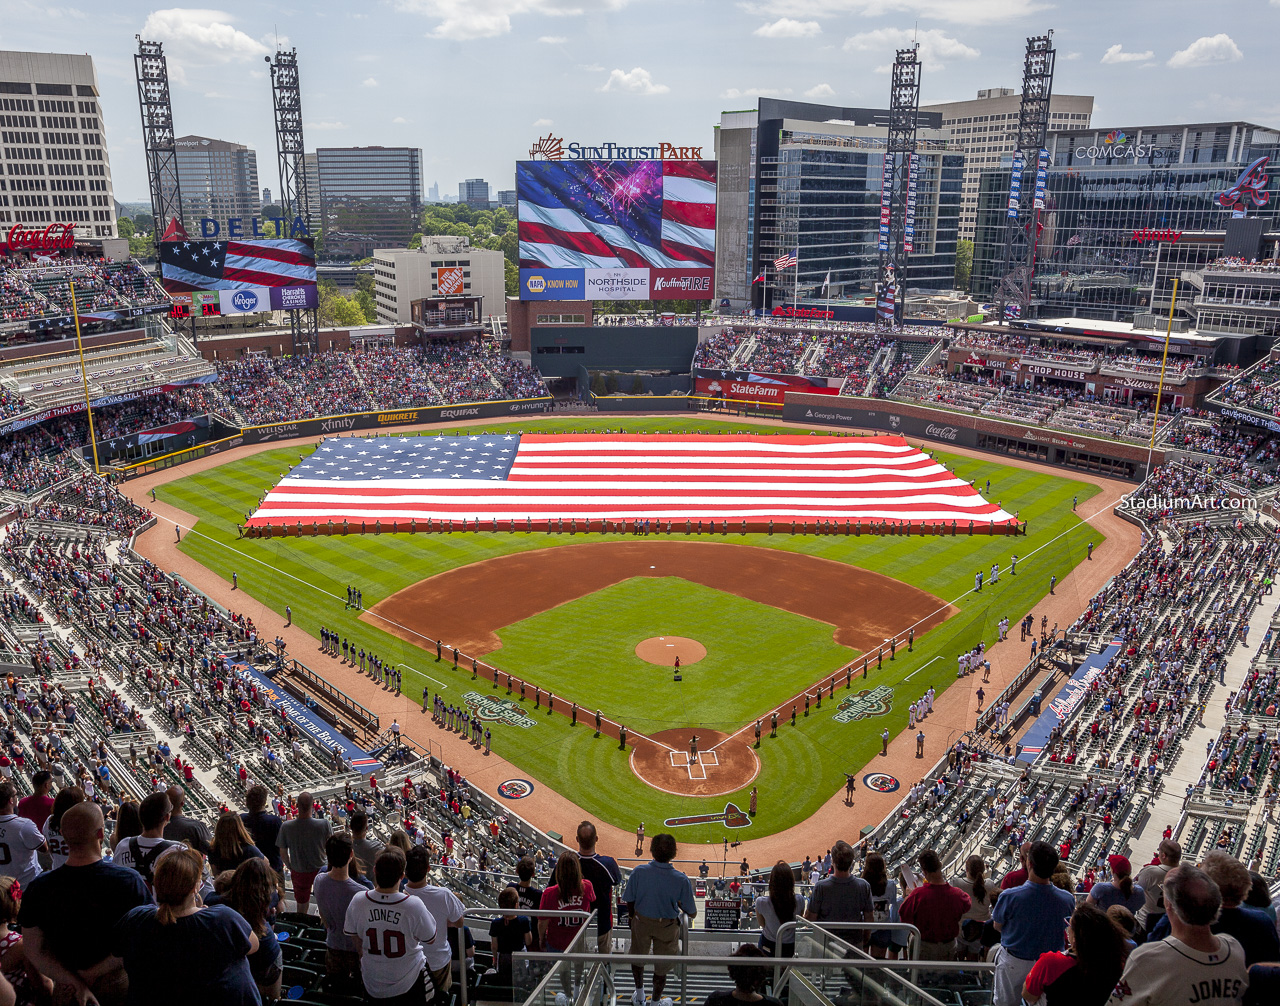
(544,478)
(232,265)
(617,214)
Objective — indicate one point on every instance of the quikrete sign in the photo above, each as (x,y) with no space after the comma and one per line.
(210,228)
(55,237)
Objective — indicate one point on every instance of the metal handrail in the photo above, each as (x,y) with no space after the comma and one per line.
(913,933)
(539,913)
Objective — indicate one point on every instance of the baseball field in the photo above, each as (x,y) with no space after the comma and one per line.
(763,619)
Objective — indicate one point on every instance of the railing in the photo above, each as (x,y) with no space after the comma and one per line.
(366,719)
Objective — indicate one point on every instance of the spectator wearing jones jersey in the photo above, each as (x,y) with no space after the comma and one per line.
(391,927)
(20,840)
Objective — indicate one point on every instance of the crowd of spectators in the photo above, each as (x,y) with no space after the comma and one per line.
(33,290)
(1238,264)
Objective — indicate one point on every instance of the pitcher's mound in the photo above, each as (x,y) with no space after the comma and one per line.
(663,650)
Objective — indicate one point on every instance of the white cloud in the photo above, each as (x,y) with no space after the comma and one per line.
(966,12)
(542,123)
(325,126)
(553,39)
(400,120)
(369,82)
(1073,55)
(935,45)
(1206,51)
(820,91)
(206,36)
(1116,54)
(636,81)
(786,27)
(733,93)
(463,20)
(591,67)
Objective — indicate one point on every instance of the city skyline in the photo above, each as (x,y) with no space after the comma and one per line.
(619,73)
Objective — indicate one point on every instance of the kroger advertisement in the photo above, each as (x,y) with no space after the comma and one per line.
(249,275)
(617,230)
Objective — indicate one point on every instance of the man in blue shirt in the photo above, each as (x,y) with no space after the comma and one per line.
(1031,920)
(656,894)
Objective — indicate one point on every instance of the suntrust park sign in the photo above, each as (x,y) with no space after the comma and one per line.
(553,148)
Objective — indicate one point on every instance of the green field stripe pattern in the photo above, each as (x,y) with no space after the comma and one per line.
(800,769)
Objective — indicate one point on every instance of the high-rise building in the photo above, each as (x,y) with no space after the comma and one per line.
(433,193)
(219,183)
(266,197)
(507,199)
(369,197)
(985,129)
(53,145)
(475,193)
(796,177)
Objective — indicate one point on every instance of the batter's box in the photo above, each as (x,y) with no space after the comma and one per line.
(697,769)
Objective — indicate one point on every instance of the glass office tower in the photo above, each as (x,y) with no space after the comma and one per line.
(370,197)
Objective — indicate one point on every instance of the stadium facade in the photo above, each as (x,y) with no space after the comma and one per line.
(1129,210)
(54,164)
(805,178)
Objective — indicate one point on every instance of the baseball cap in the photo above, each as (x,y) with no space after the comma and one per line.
(1119,864)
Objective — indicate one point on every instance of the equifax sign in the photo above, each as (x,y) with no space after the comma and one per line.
(55,237)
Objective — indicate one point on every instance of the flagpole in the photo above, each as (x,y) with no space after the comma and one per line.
(84,378)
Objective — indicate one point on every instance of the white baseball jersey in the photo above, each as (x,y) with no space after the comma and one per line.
(391,929)
(59,850)
(19,840)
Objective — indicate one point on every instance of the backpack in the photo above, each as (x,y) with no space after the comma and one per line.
(145,863)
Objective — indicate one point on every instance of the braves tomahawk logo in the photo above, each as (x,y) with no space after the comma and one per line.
(730,817)
(1250,188)
(498,710)
(865,704)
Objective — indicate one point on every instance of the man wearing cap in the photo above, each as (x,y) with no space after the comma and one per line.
(1151,879)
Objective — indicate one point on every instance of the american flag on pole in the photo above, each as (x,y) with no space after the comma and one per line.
(539,479)
(617,214)
(233,265)
(787,260)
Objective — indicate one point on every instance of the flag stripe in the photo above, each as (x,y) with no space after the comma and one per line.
(547,477)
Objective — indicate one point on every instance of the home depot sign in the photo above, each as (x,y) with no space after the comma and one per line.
(449,280)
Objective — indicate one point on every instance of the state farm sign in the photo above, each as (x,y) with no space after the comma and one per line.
(55,237)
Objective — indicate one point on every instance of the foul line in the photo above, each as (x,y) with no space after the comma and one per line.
(921,668)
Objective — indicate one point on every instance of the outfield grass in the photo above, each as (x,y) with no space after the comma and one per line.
(800,769)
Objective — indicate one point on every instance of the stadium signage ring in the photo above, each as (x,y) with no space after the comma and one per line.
(330,425)
(553,148)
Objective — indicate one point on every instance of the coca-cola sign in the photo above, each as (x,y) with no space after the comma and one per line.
(55,237)
(941,432)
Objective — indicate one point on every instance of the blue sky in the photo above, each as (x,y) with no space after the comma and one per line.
(474,82)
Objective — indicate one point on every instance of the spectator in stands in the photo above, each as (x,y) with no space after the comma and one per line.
(74,948)
(185,829)
(20,839)
(181,951)
(254,893)
(1252,927)
(1086,974)
(39,805)
(231,844)
(884,905)
(935,908)
(841,897)
(1120,890)
(128,823)
(656,893)
(301,843)
(509,934)
(604,875)
(15,965)
(747,982)
(333,892)
(1191,967)
(392,929)
(446,911)
(1151,879)
(67,798)
(1017,877)
(1030,920)
(781,905)
(143,852)
(366,848)
(982,891)
(263,826)
(530,896)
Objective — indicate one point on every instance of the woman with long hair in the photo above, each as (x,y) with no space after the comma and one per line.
(128,823)
(1086,974)
(569,891)
(254,892)
(982,891)
(232,844)
(884,904)
(1120,890)
(63,802)
(775,909)
(178,950)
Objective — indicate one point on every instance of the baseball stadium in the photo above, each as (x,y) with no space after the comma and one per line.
(419,607)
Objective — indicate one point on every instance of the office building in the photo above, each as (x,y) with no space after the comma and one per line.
(369,197)
(475,193)
(433,193)
(447,273)
(1129,210)
(795,175)
(219,182)
(507,199)
(266,197)
(54,167)
(985,129)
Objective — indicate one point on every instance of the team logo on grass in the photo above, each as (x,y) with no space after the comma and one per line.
(864,704)
(498,710)
(515,789)
(730,817)
(880,782)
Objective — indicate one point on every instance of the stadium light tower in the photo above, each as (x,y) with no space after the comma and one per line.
(898,187)
(152,72)
(1030,165)
(295,201)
